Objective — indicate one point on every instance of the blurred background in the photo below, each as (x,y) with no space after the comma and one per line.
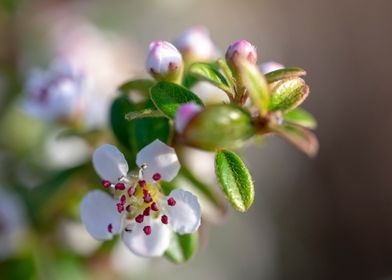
(323,218)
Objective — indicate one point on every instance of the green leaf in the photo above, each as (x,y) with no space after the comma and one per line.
(300,137)
(219,126)
(234,179)
(226,71)
(146,113)
(255,84)
(210,72)
(288,94)
(167,97)
(182,247)
(300,117)
(142,86)
(136,134)
(284,73)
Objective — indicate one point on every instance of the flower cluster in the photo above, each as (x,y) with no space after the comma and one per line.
(136,207)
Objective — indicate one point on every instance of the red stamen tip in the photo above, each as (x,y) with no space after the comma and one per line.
(128,208)
(131,191)
(171,201)
(139,219)
(120,186)
(123,199)
(154,206)
(148,199)
(156,177)
(147,230)
(142,183)
(164,219)
(106,183)
(146,211)
(110,228)
(146,193)
(120,207)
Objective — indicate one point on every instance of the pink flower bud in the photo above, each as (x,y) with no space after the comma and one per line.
(164,61)
(184,115)
(267,67)
(195,44)
(241,49)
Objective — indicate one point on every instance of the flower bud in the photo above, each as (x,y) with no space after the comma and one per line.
(240,50)
(195,45)
(164,62)
(271,66)
(184,114)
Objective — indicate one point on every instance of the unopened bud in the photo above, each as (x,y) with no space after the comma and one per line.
(164,62)
(195,45)
(271,66)
(241,50)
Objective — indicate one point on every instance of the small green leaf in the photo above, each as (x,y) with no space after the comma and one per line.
(288,94)
(284,73)
(300,137)
(142,86)
(219,126)
(182,247)
(167,97)
(210,72)
(300,117)
(136,134)
(146,113)
(256,85)
(234,179)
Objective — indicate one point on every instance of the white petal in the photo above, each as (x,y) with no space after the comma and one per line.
(267,67)
(184,217)
(160,158)
(109,163)
(153,245)
(97,211)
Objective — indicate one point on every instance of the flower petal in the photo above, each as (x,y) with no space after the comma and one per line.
(109,163)
(184,216)
(270,66)
(160,158)
(97,211)
(185,114)
(153,245)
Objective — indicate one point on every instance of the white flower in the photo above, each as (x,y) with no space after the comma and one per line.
(270,66)
(241,49)
(137,208)
(56,94)
(164,61)
(185,114)
(195,44)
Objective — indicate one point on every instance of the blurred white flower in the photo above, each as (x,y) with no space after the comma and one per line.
(209,93)
(270,66)
(126,263)
(13,226)
(136,197)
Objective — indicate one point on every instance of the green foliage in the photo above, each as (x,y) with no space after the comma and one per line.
(168,97)
(300,117)
(288,94)
(219,126)
(234,179)
(182,247)
(284,73)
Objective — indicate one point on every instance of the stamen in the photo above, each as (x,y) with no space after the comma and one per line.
(147,230)
(164,219)
(131,191)
(142,183)
(120,186)
(106,183)
(123,199)
(154,206)
(171,201)
(128,208)
(148,199)
(110,228)
(146,211)
(156,177)
(139,219)
(120,207)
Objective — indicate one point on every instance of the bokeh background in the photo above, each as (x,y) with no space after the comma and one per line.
(323,218)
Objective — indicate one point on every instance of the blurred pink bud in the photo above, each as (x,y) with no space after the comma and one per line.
(195,44)
(164,61)
(185,114)
(241,49)
(270,66)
